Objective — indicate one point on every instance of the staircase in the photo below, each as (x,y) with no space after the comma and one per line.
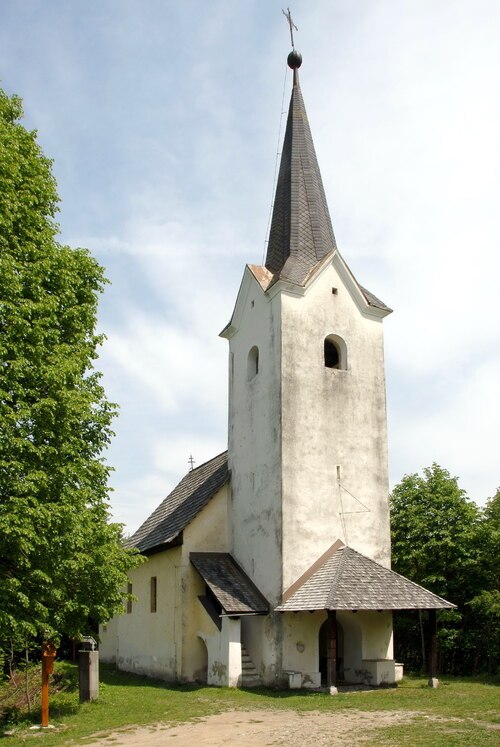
(249,675)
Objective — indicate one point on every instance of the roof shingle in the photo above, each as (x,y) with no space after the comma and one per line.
(347,580)
(236,593)
(180,507)
(301,231)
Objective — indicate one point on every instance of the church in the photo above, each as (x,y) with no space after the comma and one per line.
(270,563)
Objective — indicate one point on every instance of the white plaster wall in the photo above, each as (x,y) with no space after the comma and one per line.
(108,641)
(255,439)
(148,642)
(378,636)
(165,643)
(208,532)
(224,654)
(301,645)
(255,464)
(332,417)
(368,649)
(289,429)
(352,654)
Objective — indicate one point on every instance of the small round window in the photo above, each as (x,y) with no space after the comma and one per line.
(253,363)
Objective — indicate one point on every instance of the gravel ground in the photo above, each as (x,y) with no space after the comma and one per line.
(261,728)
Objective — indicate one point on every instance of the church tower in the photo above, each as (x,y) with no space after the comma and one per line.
(270,563)
(307,410)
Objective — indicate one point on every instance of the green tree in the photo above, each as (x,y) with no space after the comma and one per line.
(61,561)
(434,530)
(485,604)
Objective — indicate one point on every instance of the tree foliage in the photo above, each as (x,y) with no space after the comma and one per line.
(61,561)
(445,542)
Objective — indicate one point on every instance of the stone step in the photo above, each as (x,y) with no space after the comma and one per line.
(251,682)
(249,675)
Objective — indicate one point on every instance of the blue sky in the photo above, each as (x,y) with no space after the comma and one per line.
(162,118)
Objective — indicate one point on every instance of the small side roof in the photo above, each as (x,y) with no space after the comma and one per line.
(180,507)
(343,579)
(235,591)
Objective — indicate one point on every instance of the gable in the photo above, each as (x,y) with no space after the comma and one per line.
(165,525)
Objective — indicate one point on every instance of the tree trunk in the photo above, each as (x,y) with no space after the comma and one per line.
(422,640)
(26,678)
(10,659)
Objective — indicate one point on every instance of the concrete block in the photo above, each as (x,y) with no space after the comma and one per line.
(88,671)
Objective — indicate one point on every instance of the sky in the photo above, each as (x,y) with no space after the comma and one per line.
(163,120)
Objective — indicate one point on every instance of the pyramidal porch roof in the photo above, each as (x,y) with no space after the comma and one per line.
(343,579)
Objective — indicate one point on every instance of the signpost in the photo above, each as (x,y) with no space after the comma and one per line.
(48,656)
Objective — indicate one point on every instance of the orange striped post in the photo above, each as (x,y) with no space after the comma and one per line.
(48,656)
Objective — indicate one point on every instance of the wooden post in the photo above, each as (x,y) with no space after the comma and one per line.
(432,648)
(48,656)
(45,693)
(331,649)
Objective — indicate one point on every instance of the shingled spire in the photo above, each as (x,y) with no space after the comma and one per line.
(301,230)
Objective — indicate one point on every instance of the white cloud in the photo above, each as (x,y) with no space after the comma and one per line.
(460,432)
(162,120)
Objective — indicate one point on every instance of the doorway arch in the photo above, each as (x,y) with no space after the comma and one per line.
(201,674)
(322,648)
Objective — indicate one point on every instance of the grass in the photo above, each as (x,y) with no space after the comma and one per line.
(462,711)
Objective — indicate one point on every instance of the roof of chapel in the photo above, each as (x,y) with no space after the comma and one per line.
(165,525)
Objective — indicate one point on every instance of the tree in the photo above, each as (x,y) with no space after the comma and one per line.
(485,605)
(434,529)
(61,561)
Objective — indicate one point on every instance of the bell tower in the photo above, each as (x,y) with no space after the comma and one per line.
(307,410)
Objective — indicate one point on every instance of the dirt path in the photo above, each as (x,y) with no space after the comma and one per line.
(260,729)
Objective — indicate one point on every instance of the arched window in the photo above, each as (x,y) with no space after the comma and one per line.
(335,351)
(253,363)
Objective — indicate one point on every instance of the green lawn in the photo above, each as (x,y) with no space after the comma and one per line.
(462,711)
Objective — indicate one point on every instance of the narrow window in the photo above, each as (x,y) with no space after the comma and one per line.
(335,352)
(253,363)
(129,601)
(153,594)
(332,355)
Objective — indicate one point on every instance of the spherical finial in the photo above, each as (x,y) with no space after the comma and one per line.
(294,59)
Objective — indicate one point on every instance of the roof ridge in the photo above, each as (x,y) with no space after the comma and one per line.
(338,571)
(319,563)
(204,463)
(167,521)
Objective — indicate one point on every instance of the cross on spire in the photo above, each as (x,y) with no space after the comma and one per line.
(288,17)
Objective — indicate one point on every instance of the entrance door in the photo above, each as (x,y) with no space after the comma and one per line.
(323,647)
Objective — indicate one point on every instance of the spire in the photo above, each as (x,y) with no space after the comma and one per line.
(301,230)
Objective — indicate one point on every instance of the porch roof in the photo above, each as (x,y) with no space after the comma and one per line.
(343,579)
(234,590)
